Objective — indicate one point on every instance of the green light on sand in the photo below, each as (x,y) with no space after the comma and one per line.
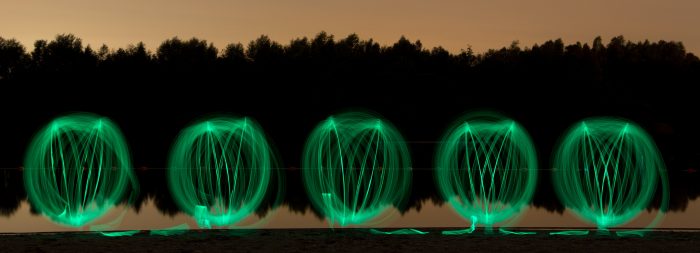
(120,233)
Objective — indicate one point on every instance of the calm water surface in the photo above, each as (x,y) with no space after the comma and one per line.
(155,209)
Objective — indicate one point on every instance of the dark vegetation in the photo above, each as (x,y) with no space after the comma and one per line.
(289,88)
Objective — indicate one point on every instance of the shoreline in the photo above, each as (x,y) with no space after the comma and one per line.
(346,240)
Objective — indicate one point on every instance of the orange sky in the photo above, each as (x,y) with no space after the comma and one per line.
(454,24)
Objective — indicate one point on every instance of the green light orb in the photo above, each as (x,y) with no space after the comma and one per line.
(220,170)
(486,168)
(607,171)
(356,167)
(77,168)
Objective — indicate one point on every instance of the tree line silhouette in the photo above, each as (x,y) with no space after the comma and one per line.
(288,88)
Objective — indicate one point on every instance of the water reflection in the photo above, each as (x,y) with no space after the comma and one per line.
(11,191)
(156,209)
(430,215)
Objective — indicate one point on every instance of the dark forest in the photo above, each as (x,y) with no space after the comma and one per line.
(289,87)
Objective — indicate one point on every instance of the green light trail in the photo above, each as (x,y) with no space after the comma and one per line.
(356,167)
(486,168)
(469,230)
(220,170)
(571,232)
(77,168)
(607,171)
(403,231)
(175,230)
(508,232)
(120,233)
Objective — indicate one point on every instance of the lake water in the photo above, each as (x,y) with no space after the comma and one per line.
(430,215)
(155,209)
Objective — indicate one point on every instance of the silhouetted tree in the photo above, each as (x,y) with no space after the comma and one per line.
(404,56)
(263,52)
(177,57)
(132,62)
(234,59)
(11,191)
(13,58)
(64,55)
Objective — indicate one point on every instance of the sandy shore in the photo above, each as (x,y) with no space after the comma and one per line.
(345,240)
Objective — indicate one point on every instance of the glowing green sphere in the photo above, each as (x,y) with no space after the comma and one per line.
(607,170)
(486,168)
(220,170)
(356,166)
(77,168)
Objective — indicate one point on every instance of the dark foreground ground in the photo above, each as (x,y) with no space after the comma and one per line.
(347,240)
